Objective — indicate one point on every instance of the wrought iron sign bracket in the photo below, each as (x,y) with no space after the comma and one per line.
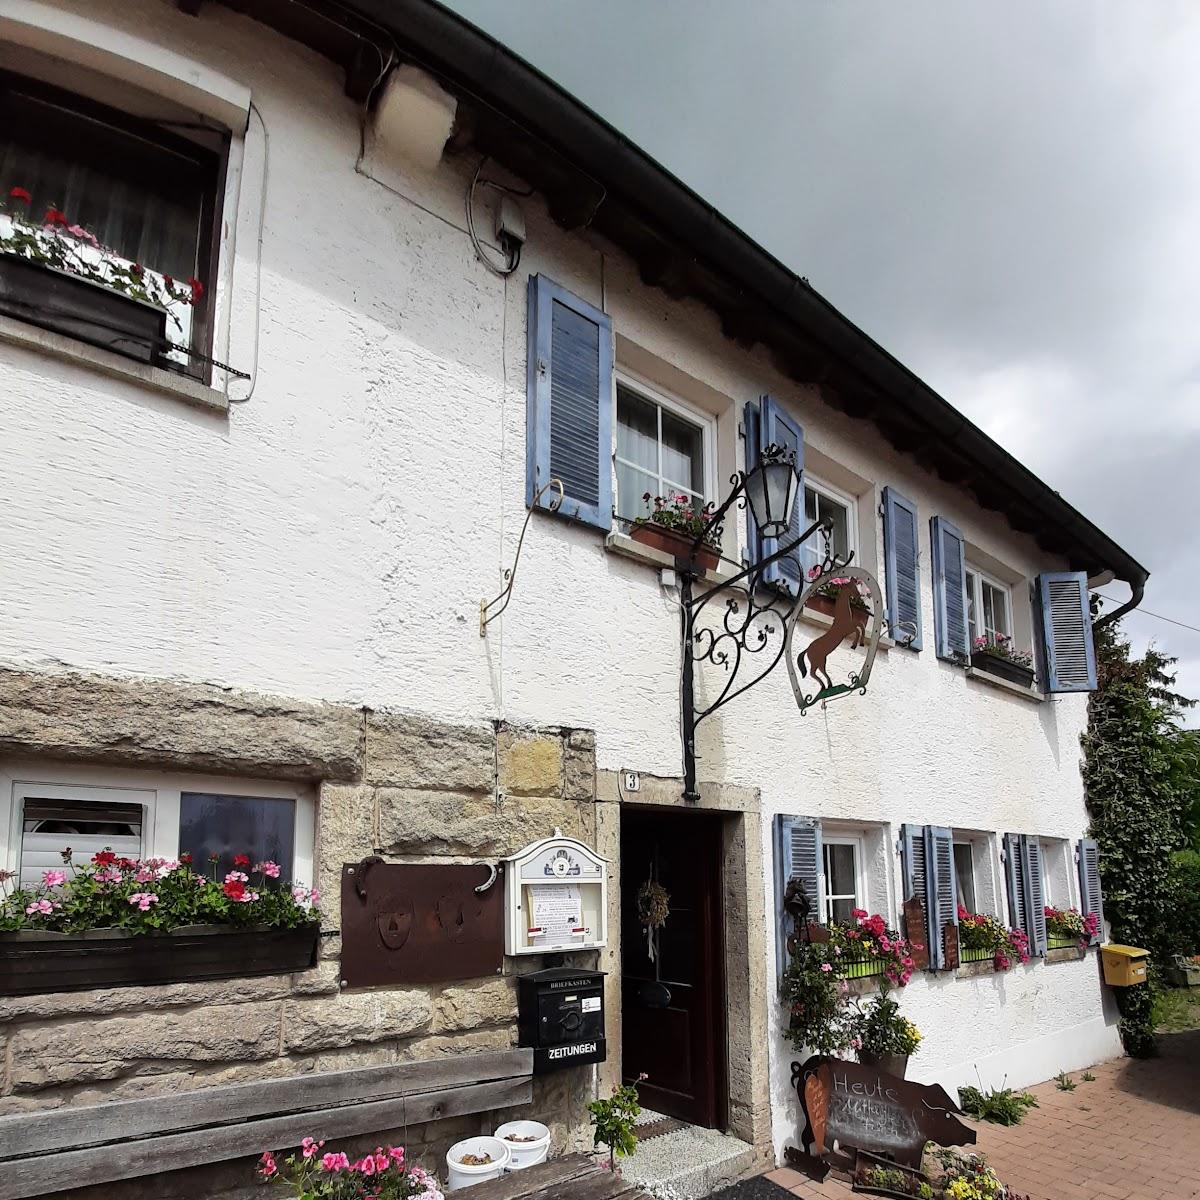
(489,610)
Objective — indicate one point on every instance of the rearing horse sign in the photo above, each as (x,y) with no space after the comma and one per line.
(857,615)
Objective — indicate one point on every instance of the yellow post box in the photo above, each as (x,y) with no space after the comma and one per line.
(1124,966)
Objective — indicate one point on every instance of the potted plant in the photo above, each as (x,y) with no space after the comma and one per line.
(824,598)
(311,1172)
(883,1038)
(999,657)
(116,922)
(981,937)
(876,1176)
(57,274)
(1068,927)
(673,523)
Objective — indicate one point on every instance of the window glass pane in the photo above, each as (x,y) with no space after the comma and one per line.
(996,605)
(262,827)
(972,620)
(840,876)
(840,910)
(818,507)
(682,453)
(632,485)
(964,875)
(51,825)
(637,431)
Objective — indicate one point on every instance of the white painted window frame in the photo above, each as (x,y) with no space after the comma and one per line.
(858,842)
(847,501)
(976,579)
(705,421)
(156,791)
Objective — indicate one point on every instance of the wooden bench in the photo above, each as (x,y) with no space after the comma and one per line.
(575,1177)
(45,1152)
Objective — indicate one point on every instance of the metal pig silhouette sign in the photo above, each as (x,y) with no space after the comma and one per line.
(849,1106)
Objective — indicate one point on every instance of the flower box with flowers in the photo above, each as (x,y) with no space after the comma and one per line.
(998,657)
(56,274)
(981,936)
(1068,928)
(311,1172)
(673,523)
(119,922)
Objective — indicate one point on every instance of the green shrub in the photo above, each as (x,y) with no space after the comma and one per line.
(1002,1106)
(1184,886)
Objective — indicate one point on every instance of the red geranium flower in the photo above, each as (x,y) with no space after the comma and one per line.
(55,216)
(197,288)
(105,858)
(241,860)
(186,858)
(19,193)
(235,889)
(136,269)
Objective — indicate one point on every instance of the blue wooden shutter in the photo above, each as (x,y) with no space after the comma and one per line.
(797,856)
(942,904)
(781,429)
(949,591)
(1014,877)
(1035,893)
(753,437)
(569,402)
(914,862)
(1091,899)
(901,554)
(1064,622)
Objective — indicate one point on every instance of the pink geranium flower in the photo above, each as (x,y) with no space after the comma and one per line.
(143,900)
(269,869)
(40,906)
(310,1146)
(335,1162)
(54,877)
(267,1166)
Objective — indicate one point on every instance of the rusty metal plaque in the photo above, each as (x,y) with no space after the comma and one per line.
(407,923)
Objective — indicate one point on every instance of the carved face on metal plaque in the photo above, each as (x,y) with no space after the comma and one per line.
(407,923)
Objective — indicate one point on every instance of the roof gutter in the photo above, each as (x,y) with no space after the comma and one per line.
(476,65)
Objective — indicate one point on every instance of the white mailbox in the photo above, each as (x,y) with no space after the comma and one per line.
(555,898)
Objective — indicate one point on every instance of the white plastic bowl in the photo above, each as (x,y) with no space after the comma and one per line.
(461,1175)
(525,1154)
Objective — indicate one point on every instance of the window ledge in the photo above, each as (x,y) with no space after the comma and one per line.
(56,345)
(864,985)
(622,544)
(995,681)
(1065,954)
(969,970)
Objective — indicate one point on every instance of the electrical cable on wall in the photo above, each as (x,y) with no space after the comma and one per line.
(512,248)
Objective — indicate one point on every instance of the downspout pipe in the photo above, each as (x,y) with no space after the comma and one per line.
(1138,587)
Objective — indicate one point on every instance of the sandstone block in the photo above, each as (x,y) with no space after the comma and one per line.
(197,726)
(461,1008)
(345,822)
(478,1041)
(529,764)
(325,1024)
(413,752)
(83,1051)
(579,775)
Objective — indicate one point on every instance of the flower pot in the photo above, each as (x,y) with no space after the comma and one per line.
(890,1064)
(907,1178)
(33,961)
(461,1175)
(677,545)
(81,308)
(525,1153)
(1002,668)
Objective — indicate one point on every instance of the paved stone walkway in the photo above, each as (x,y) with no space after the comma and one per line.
(1133,1134)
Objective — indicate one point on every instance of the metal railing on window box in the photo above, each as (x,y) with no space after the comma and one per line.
(983,954)
(865,968)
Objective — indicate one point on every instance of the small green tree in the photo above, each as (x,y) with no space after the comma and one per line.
(1141,773)
(614,1121)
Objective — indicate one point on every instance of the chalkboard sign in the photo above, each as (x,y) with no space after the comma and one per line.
(849,1106)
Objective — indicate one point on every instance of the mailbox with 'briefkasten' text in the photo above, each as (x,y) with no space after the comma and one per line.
(560,1014)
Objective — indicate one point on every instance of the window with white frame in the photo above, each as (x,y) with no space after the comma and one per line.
(842,863)
(989,609)
(822,502)
(130,204)
(964,875)
(663,448)
(47,810)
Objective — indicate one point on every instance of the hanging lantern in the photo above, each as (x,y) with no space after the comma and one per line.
(771,490)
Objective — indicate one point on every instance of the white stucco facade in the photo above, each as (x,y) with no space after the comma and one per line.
(332,537)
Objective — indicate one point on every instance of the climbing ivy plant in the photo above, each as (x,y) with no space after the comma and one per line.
(1141,775)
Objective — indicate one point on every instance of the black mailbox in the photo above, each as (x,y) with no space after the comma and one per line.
(560,1014)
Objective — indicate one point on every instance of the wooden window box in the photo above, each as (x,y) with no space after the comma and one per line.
(1003,668)
(82,309)
(35,961)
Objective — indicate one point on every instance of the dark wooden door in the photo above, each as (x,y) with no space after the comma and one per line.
(673,1007)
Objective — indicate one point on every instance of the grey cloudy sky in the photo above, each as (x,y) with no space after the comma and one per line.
(1005,194)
